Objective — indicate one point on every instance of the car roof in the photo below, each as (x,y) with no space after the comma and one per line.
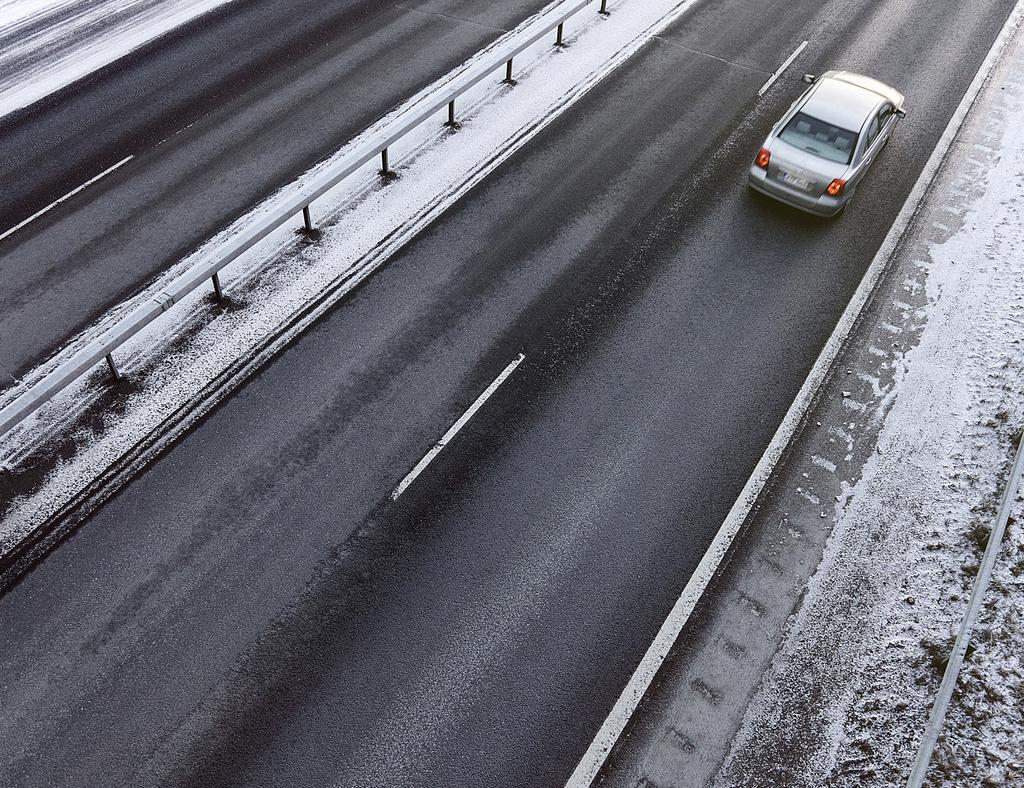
(841,102)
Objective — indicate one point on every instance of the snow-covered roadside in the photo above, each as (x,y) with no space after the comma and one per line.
(880,614)
(946,451)
(46,45)
(363,223)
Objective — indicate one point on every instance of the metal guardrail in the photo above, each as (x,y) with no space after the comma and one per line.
(963,638)
(290,206)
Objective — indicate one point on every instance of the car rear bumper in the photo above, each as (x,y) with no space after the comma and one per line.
(820,206)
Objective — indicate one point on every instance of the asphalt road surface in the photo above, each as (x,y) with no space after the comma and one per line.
(253,609)
(218,115)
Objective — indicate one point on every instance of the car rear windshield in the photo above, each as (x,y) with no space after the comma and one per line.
(820,138)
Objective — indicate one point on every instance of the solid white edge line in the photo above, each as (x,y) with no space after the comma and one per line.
(778,73)
(66,197)
(458,425)
(594,758)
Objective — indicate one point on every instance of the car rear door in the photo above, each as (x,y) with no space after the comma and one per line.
(887,118)
(867,148)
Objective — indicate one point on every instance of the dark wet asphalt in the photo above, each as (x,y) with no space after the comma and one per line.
(254,610)
(248,96)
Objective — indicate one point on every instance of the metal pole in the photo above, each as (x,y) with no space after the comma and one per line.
(306,218)
(451,115)
(384,170)
(113,367)
(604,9)
(216,287)
(508,74)
(963,637)
(558,39)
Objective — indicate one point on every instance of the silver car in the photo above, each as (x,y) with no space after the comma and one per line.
(818,153)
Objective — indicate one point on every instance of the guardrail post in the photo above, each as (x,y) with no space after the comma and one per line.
(216,287)
(451,122)
(558,39)
(113,367)
(307,230)
(385,171)
(604,9)
(508,74)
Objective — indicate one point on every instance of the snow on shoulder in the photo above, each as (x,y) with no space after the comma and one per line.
(46,45)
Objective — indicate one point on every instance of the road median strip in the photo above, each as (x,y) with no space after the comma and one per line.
(91,437)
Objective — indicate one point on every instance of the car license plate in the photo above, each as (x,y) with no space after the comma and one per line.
(793,180)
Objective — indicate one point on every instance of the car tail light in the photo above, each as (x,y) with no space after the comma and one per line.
(835,188)
(763,157)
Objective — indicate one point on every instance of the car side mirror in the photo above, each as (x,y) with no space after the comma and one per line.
(901,113)
(810,79)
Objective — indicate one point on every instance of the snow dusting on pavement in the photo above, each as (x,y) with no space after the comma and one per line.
(180,365)
(46,45)
(881,613)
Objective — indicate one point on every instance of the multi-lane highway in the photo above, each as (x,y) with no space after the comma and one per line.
(255,609)
(217,116)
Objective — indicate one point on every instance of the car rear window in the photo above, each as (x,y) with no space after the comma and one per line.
(820,138)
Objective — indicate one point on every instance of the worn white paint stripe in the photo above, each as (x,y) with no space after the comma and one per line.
(594,758)
(778,73)
(458,425)
(66,197)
